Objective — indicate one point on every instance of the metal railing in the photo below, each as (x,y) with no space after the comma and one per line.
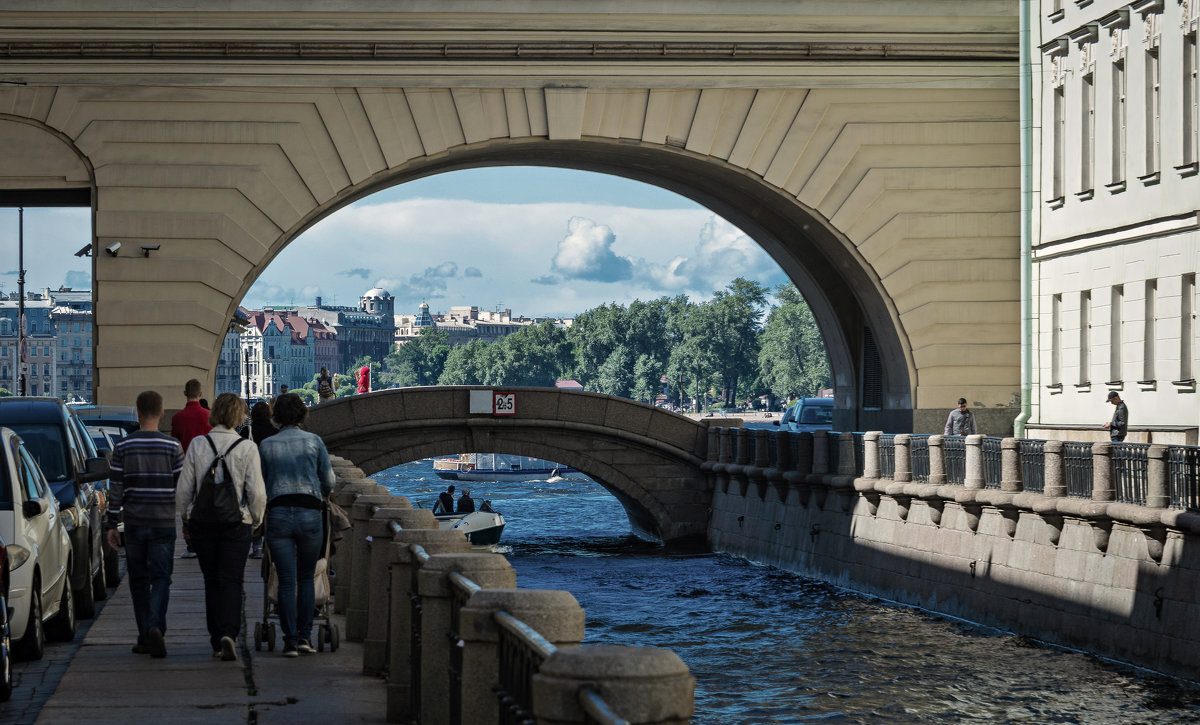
(992,465)
(887,455)
(522,652)
(954,448)
(414,650)
(1183,475)
(772,450)
(461,589)
(1033,465)
(833,445)
(1130,471)
(919,450)
(794,442)
(860,453)
(1077,468)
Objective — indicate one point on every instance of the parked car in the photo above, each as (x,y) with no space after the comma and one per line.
(120,416)
(104,437)
(58,441)
(6,653)
(808,415)
(38,551)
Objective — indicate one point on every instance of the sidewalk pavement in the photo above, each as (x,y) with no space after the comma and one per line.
(106,683)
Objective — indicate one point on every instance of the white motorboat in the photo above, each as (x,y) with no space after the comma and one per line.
(482,527)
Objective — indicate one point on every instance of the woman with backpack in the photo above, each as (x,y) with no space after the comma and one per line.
(298,476)
(325,385)
(222,498)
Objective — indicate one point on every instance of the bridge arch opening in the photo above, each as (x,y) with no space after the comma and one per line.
(871,362)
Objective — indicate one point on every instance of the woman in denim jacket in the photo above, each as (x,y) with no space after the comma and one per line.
(298,476)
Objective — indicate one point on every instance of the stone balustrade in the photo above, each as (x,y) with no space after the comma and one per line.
(425,604)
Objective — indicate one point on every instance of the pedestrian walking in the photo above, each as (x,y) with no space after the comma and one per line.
(188,423)
(364,379)
(261,428)
(146,466)
(221,496)
(298,476)
(325,390)
(1118,427)
(961,421)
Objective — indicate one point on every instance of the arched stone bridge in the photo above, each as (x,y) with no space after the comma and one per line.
(646,457)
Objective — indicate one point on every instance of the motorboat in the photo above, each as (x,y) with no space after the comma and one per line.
(498,467)
(482,527)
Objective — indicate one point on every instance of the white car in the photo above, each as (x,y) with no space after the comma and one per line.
(39,552)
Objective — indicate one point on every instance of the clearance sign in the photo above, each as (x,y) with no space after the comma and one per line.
(492,402)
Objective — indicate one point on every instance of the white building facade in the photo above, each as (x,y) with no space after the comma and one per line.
(1116,217)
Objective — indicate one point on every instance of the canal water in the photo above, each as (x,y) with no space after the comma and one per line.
(766,646)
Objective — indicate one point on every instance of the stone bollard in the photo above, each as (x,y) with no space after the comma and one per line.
(724,459)
(1010,465)
(360,555)
(1053,475)
(489,571)
(974,453)
(937,460)
(820,452)
(1102,473)
(555,615)
(640,684)
(340,561)
(846,463)
(400,707)
(871,454)
(375,641)
(1158,492)
(903,470)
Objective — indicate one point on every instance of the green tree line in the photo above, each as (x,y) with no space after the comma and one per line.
(736,346)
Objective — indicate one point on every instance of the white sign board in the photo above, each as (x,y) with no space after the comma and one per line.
(481,402)
(506,404)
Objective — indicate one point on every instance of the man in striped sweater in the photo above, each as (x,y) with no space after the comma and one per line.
(145,468)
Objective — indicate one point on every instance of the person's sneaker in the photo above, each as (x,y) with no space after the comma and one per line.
(140,649)
(188,555)
(228,650)
(290,652)
(155,644)
(305,647)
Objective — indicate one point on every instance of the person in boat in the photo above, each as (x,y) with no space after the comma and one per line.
(446,501)
(466,504)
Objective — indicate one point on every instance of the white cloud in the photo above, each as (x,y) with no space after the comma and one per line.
(586,253)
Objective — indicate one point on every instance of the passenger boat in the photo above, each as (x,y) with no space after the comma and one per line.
(497,467)
(482,527)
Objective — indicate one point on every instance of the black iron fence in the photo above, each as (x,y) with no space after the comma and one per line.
(1077,468)
(887,455)
(1130,471)
(860,457)
(954,448)
(834,446)
(1183,474)
(919,452)
(992,466)
(1033,465)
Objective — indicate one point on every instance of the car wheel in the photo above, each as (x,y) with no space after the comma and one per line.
(33,645)
(62,627)
(6,682)
(85,601)
(100,584)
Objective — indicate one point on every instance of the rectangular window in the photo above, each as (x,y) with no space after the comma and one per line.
(1085,326)
(1187,310)
(1191,90)
(1114,333)
(1060,119)
(1056,339)
(1118,122)
(1153,110)
(1087,132)
(1148,338)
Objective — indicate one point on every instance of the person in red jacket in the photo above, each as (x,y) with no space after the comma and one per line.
(189,423)
(364,379)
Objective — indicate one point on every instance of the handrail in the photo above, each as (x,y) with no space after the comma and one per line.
(395,527)
(597,709)
(419,553)
(463,584)
(536,642)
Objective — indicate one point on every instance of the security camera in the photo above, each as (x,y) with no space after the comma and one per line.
(148,248)
(112,249)
(85,252)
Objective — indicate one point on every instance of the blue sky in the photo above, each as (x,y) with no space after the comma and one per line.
(538,241)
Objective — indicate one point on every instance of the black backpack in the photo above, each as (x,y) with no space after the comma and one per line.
(217,503)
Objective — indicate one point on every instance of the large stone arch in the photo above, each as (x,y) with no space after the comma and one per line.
(648,458)
(886,186)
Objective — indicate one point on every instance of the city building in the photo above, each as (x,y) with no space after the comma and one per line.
(73,329)
(1116,216)
(41,345)
(366,330)
(465,323)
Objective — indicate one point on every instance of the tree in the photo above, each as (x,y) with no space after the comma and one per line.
(792,360)
(417,362)
(536,355)
(736,323)
(468,364)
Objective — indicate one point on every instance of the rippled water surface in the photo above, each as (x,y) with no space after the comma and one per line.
(766,646)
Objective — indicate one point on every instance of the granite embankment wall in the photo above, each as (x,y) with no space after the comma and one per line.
(1118,579)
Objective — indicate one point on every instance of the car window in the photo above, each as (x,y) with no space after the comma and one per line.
(45,442)
(816,415)
(31,482)
(6,488)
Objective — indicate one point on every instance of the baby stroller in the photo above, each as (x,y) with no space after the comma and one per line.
(327,630)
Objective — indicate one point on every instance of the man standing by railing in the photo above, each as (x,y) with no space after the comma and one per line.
(1119,425)
(961,422)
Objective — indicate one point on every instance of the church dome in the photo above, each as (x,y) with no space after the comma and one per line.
(378,292)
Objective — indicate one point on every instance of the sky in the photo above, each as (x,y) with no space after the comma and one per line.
(538,241)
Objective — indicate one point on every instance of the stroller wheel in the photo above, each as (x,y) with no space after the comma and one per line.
(322,636)
(271,637)
(333,637)
(258,636)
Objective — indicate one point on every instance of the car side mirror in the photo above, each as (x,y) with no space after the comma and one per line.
(774,422)
(34,507)
(94,470)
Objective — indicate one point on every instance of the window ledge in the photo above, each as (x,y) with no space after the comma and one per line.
(1057,202)
(1083,387)
(1085,194)
(1083,3)
(1188,169)
(1116,187)
(1185,386)
(1057,15)
(1114,384)
(1150,179)
(1055,388)
(1147,385)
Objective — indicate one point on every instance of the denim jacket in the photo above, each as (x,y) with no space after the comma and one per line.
(295,461)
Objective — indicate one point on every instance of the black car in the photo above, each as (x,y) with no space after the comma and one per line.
(58,440)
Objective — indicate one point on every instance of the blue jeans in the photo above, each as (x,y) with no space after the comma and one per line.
(294,539)
(149,561)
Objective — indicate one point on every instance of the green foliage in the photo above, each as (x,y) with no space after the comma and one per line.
(792,357)
(5,393)
(417,362)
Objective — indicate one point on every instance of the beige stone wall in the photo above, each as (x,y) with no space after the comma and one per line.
(883,179)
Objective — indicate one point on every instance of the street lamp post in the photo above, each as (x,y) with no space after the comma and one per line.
(22,361)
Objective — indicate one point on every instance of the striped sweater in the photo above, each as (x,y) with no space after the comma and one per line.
(145,468)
